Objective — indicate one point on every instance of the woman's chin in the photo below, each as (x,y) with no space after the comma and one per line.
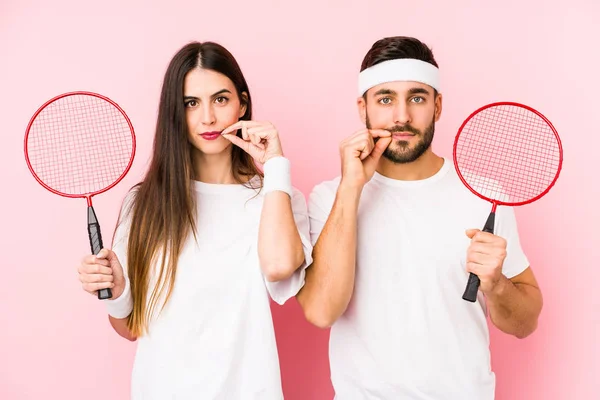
(211,147)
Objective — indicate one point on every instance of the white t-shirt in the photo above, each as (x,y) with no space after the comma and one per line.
(215,338)
(407,333)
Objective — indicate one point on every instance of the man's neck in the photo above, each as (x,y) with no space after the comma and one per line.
(424,167)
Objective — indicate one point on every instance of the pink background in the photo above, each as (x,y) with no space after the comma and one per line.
(301,60)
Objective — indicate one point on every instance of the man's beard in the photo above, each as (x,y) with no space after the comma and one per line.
(401,153)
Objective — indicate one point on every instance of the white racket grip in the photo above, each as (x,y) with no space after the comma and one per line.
(122,306)
(278,175)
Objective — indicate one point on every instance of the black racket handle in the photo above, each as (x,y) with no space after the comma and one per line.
(473,282)
(96,245)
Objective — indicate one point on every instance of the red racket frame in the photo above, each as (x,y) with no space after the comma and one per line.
(87,196)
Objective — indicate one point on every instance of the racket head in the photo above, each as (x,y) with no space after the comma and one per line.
(79,144)
(508,153)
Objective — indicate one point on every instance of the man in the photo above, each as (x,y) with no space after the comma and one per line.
(395,239)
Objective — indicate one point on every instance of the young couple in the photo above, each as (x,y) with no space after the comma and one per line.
(380,254)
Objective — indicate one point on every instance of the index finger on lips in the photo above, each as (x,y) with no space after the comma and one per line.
(232,128)
(379,133)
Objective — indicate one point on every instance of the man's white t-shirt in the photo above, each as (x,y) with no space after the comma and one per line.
(215,338)
(407,333)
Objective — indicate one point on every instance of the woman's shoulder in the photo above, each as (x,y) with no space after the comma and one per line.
(130,196)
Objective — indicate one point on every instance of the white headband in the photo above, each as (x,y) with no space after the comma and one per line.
(403,69)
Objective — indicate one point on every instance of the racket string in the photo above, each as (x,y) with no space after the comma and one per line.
(508,153)
(79,144)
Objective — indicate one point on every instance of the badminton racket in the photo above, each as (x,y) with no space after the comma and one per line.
(508,154)
(78,145)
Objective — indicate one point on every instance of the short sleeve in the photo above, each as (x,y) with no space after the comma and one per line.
(121,235)
(506,227)
(283,290)
(119,308)
(320,203)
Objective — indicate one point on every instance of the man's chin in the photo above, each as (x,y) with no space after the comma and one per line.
(397,158)
(401,154)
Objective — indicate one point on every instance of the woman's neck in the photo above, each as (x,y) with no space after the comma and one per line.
(213,168)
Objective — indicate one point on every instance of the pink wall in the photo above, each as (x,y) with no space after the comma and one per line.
(301,61)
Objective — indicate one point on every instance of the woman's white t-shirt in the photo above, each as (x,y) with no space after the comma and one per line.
(214,339)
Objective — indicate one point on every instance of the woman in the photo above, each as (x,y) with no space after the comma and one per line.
(203,241)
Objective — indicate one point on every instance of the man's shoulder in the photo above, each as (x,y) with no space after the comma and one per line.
(323,194)
(326,188)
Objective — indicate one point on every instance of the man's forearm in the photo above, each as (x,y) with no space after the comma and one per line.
(330,278)
(515,307)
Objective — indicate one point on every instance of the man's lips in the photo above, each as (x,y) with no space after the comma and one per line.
(402,135)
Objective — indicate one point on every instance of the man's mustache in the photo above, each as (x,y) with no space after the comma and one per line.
(403,128)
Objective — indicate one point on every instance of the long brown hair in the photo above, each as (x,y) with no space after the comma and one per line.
(163,209)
